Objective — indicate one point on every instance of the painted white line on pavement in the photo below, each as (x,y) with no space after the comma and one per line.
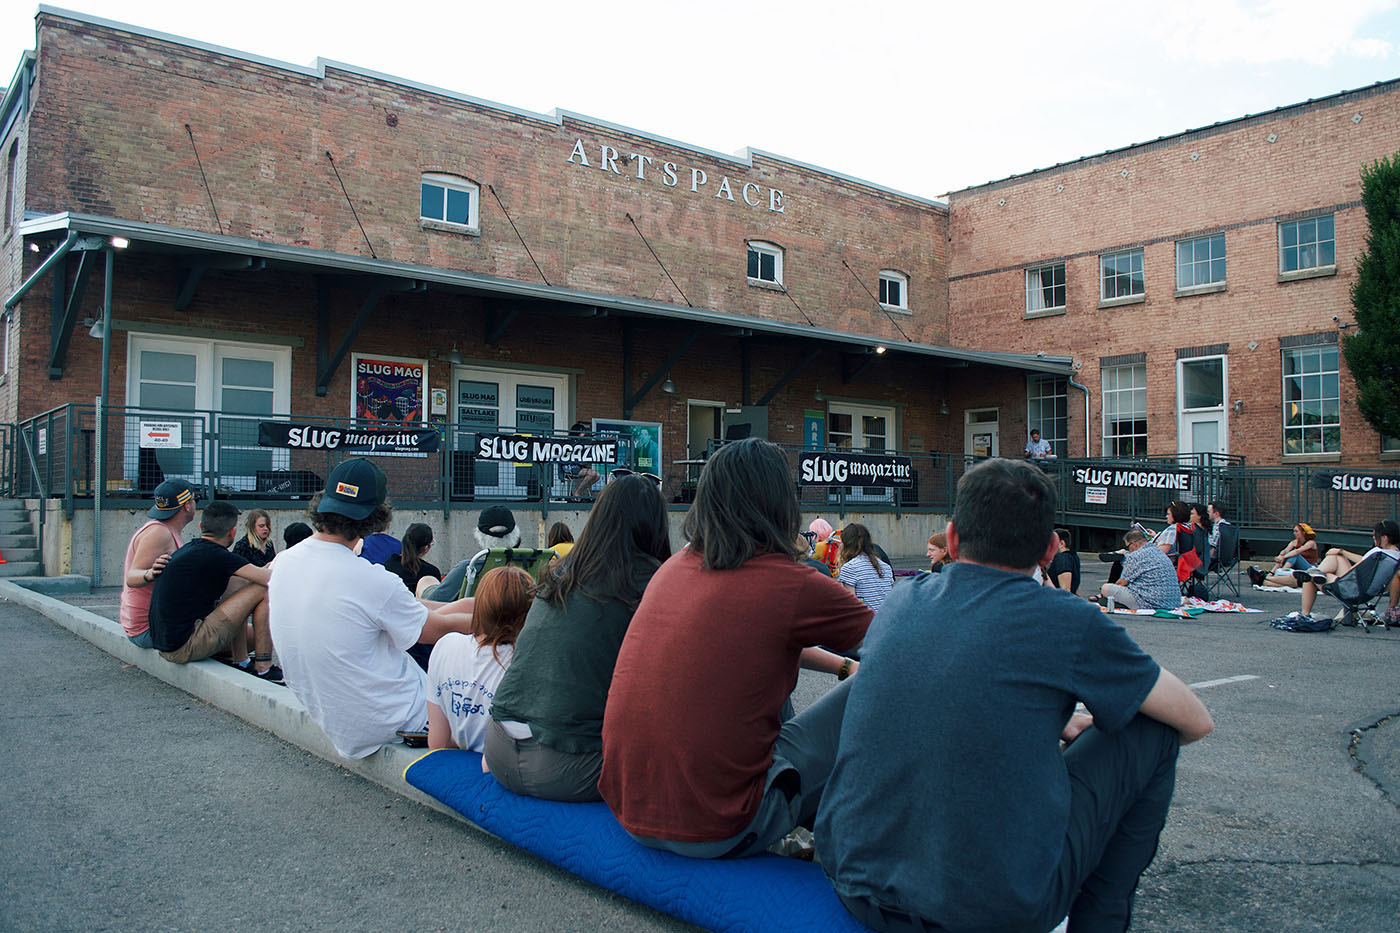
(1222,681)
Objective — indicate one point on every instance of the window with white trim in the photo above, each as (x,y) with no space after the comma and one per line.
(1045,288)
(1312,404)
(1200,261)
(765,263)
(894,289)
(448,199)
(1047,411)
(1125,410)
(1307,244)
(1120,275)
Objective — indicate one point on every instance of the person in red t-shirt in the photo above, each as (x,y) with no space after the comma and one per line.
(696,756)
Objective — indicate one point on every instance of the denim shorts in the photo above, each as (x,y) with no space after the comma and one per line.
(1298,562)
(141,641)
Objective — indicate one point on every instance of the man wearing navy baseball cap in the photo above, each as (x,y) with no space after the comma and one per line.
(342,626)
(146,554)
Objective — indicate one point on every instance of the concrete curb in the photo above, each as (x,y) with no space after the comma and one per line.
(267,706)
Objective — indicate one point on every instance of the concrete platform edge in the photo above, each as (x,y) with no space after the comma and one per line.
(266,706)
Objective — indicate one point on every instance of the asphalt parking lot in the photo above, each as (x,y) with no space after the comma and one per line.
(1277,823)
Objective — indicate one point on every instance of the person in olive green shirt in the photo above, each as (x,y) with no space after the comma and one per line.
(545,736)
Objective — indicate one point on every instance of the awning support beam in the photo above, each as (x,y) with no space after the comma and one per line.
(678,351)
(326,362)
(188,282)
(61,325)
(852,365)
(49,262)
(791,374)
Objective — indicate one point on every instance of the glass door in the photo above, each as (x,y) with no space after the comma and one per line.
(860,428)
(490,401)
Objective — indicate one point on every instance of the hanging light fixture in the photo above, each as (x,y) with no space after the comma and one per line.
(943,408)
(668,386)
(817,395)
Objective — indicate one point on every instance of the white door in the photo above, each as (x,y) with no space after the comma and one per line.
(980,433)
(171,376)
(861,428)
(491,400)
(1202,387)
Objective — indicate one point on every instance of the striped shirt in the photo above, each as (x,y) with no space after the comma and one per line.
(870,587)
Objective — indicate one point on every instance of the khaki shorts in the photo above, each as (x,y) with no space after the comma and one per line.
(211,635)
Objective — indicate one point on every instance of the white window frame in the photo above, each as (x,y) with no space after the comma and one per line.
(451,183)
(1193,263)
(1322,425)
(207,354)
(763,248)
(1104,392)
(888,277)
(1036,292)
(1299,246)
(1136,263)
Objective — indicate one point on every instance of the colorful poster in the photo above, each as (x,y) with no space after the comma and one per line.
(644,448)
(389,391)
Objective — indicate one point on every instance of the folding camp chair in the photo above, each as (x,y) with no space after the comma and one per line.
(532,560)
(1362,588)
(1225,565)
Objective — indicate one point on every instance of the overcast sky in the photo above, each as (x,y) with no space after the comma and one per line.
(924,97)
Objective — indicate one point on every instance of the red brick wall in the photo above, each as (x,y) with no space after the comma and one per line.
(1238,182)
(109,138)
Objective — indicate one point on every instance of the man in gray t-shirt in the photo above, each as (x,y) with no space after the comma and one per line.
(967,794)
(1148,580)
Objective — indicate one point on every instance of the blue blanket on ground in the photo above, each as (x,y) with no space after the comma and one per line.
(768,892)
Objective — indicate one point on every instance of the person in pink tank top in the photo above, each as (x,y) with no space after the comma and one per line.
(146,554)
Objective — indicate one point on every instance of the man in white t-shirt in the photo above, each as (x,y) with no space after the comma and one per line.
(342,626)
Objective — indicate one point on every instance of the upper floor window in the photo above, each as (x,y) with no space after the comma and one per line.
(1312,405)
(449,200)
(1120,275)
(894,289)
(11,174)
(1125,410)
(1307,244)
(1200,261)
(1045,287)
(765,263)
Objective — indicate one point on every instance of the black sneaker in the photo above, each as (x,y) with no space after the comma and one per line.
(272,675)
(1301,577)
(1317,576)
(1256,576)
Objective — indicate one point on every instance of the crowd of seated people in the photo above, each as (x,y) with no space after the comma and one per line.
(605,678)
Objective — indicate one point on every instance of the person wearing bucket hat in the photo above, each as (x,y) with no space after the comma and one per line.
(495,527)
(342,626)
(148,551)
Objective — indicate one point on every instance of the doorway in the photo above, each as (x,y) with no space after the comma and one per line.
(1202,386)
(980,433)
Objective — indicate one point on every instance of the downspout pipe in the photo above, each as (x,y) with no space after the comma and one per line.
(43,269)
(102,420)
(1085,390)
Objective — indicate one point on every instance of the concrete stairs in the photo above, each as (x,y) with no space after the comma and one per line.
(17,542)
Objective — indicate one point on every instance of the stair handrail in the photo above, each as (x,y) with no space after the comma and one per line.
(43,494)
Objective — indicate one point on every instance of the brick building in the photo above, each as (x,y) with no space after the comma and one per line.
(335,246)
(1200,282)
(287,225)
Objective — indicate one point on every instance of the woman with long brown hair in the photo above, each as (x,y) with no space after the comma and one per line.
(545,738)
(861,568)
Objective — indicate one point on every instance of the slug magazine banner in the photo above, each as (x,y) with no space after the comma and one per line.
(817,468)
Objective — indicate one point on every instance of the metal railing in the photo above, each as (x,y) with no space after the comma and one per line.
(219,452)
